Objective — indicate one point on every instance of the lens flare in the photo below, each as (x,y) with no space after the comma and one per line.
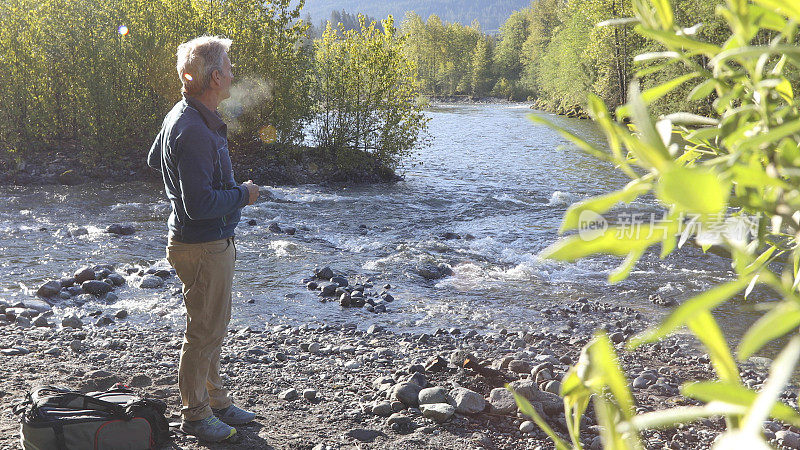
(123,30)
(188,77)
(268,134)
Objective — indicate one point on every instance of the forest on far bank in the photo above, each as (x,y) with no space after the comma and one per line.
(552,51)
(491,13)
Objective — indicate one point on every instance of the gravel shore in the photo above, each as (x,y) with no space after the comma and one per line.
(317,386)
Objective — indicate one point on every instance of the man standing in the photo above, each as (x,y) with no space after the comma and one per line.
(191,152)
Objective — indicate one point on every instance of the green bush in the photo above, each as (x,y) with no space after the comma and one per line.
(366,92)
(273,68)
(740,162)
(73,79)
(70,78)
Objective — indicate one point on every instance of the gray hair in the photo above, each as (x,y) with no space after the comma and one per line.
(198,59)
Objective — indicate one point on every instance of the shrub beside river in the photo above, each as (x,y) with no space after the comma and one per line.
(88,85)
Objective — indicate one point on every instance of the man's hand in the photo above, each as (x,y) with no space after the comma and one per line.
(252,188)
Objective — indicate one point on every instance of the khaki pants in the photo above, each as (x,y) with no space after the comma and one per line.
(206,270)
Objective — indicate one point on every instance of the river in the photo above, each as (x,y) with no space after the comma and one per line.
(489,174)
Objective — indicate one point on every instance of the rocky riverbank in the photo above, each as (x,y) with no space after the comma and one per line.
(266,167)
(468,100)
(573,111)
(318,386)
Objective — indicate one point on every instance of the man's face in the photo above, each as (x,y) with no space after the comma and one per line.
(226,77)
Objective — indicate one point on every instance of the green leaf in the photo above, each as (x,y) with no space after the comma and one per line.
(703,90)
(684,118)
(706,329)
(755,176)
(581,143)
(736,394)
(796,269)
(772,136)
(780,320)
(684,414)
(526,408)
(693,189)
(654,55)
(624,269)
(760,261)
(703,134)
(604,359)
(618,22)
(612,130)
(750,286)
(779,374)
(618,241)
(789,8)
(602,203)
(664,11)
(656,92)
(672,40)
(654,68)
(703,302)
(752,52)
(784,88)
(608,420)
(650,148)
(768,18)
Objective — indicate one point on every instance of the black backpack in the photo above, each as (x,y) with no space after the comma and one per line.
(53,417)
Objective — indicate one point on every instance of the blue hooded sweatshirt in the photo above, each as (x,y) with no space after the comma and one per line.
(191,152)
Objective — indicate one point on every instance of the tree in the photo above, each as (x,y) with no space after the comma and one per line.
(365,92)
(543,20)
(275,71)
(513,34)
(563,77)
(482,79)
(442,53)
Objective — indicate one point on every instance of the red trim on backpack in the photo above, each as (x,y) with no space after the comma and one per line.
(149,438)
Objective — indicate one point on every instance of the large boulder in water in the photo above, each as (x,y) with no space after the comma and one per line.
(151,282)
(49,289)
(95,287)
(117,279)
(119,229)
(329,289)
(428,271)
(325,273)
(434,272)
(83,274)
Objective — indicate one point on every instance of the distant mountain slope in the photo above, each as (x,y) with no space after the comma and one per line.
(490,13)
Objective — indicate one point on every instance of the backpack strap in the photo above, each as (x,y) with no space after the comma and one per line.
(57,396)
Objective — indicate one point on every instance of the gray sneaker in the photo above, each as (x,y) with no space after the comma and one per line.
(210,429)
(233,415)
